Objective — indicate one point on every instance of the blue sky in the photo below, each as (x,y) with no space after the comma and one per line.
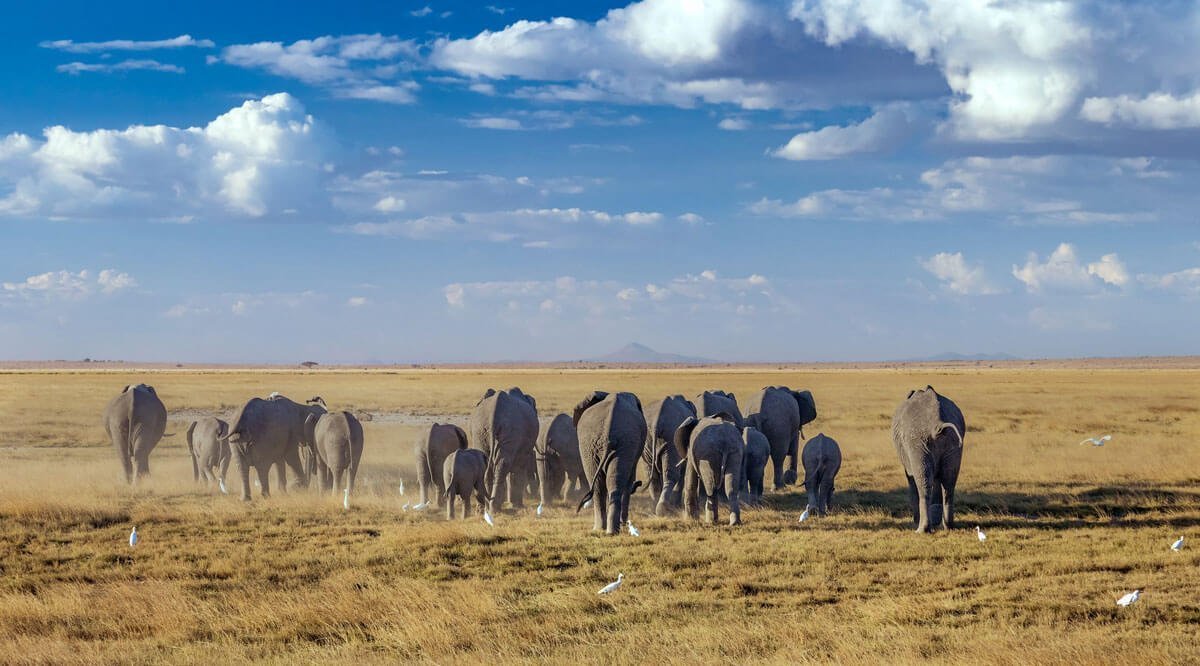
(735,179)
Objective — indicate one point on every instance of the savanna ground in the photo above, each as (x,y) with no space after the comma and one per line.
(296,578)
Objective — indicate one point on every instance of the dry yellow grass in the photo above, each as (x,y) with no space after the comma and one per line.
(295,578)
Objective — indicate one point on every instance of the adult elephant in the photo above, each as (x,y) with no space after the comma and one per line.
(337,438)
(712,403)
(135,421)
(271,432)
(928,430)
(504,426)
(432,451)
(712,447)
(659,455)
(559,467)
(210,455)
(612,431)
(781,414)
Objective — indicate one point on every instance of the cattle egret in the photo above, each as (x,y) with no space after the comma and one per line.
(1129,599)
(405,507)
(133,537)
(612,587)
(223,490)
(804,516)
(1178,545)
(539,509)
(346,499)
(1096,442)
(633,531)
(487,518)
(421,506)
(402,487)
(979,533)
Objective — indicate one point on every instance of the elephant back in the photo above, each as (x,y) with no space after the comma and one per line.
(713,402)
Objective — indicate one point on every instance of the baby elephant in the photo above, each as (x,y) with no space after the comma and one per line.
(755,457)
(463,472)
(711,449)
(822,459)
(209,452)
(339,443)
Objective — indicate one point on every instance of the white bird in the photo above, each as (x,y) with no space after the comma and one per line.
(133,537)
(402,486)
(346,499)
(1096,442)
(804,516)
(612,587)
(1178,545)
(405,507)
(487,518)
(1129,599)
(539,509)
(421,506)
(633,531)
(274,394)
(979,533)
(223,490)
(586,504)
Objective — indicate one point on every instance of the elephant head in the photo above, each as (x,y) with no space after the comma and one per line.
(808,408)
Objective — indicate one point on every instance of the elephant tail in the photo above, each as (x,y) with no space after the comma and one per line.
(192,452)
(608,457)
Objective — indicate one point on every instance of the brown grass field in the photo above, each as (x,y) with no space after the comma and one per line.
(296,579)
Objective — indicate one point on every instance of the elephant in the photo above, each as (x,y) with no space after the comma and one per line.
(135,421)
(337,438)
(781,415)
(712,450)
(928,430)
(271,432)
(711,403)
(208,451)
(755,455)
(822,459)
(431,451)
(612,432)
(662,462)
(559,467)
(504,425)
(462,472)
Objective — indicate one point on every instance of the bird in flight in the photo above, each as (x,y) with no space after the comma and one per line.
(1129,599)
(613,586)
(979,533)
(133,537)
(1096,441)
(1178,545)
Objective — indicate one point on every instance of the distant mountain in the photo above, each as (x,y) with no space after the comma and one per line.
(954,356)
(639,353)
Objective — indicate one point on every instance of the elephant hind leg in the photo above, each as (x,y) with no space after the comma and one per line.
(450,506)
(826,493)
(264,479)
(914,499)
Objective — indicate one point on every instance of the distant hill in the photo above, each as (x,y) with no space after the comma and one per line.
(639,353)
(954,356)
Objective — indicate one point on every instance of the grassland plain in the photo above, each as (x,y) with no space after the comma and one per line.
(296,578)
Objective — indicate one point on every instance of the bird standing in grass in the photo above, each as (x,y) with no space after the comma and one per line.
(1178,545)
(1129,599)
(804,516)
(633,531)
(487,518)
(223,490)
(401,486)
(979,533)
(133,537)
(346,499)
(613,586)
(1096,441)
(405,507)
(539,509)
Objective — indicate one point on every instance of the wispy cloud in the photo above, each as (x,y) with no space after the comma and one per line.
(123,66)
(182,41)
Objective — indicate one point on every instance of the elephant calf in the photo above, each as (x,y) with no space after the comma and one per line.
(209,451)
(338,439)
(712,447)
(440,441)
(928,431)
(559,466)
(463,472)
(822,459)
(755,456)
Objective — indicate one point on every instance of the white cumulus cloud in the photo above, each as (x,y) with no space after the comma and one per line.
(959,277)
(1064,270)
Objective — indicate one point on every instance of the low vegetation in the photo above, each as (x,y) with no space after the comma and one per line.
(295,578)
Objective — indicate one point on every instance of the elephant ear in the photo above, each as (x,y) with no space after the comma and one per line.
(191,428)
(126,389)
(462,437)
(592,398)
(910,394)
(310,428)
(222,428)
(639,404)
(317,400)
(487,394)
(683,436)
(808,406)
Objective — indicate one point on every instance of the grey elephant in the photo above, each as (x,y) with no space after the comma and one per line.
(559,467)
(337,438)
(135,421)
(822,459)
(661,461)
(612,431)
(270,432)
(928,430)
(440,441)
(504,425)
(712,450)
(209,452)
(755,456)
(781,415)
(462,472)
(713,402)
